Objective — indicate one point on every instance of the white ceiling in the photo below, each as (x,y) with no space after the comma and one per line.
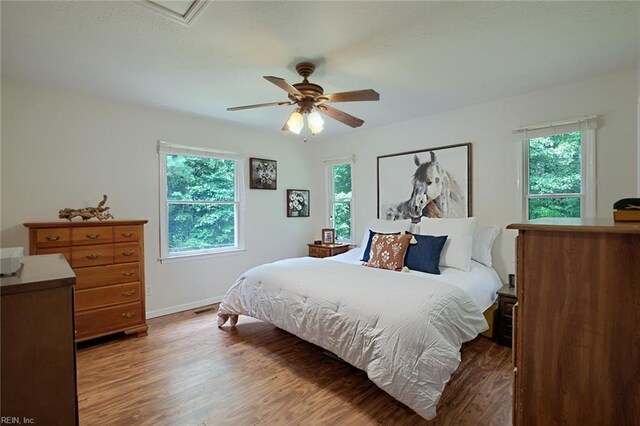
(422,57)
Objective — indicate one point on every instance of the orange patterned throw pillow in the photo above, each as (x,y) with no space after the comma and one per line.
(387,251)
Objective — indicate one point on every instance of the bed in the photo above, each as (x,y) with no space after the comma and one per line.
(404,329)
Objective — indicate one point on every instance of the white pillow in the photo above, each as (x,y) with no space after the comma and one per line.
(483,239)
(385,227)
(457,250)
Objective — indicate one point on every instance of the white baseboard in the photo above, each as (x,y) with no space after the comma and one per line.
(184,307)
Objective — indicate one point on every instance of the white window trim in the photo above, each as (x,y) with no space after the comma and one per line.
(587,126)
(328,170)
(166,148)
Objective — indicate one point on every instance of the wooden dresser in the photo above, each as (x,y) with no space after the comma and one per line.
(108,260)
(576,343)
(37,348)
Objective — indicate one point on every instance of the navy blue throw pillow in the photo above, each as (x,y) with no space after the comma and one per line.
(425,256)
(367,250)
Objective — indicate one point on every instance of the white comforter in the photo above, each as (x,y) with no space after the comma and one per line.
(404,330)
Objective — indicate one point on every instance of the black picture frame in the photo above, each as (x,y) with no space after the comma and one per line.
(404,192)
(298,202)
(263,173)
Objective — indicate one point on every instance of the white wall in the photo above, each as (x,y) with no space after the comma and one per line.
(489,127)
(61,149)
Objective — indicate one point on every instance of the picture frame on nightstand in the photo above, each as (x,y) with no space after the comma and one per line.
(328,236)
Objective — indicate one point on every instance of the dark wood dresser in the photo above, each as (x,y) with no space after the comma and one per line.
(38,350)
(576,346)
(108,259)
(504,327)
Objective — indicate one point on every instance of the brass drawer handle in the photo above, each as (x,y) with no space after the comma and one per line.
(53,238)
(92,236)
(128,293)
(128,253)
(127,273)
(129,314)
(127,234)
(92,256)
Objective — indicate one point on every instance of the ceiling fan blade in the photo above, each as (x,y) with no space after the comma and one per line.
(356,95)
(238,108)
(284,85)
(341,116)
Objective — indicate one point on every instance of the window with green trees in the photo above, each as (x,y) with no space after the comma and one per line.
(341,208)
(555,176)
(201,203)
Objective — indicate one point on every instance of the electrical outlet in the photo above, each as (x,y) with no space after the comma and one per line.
(148,291)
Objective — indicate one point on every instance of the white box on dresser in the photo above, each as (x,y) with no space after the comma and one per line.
(10,259)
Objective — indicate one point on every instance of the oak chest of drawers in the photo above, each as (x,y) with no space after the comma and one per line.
(108,260)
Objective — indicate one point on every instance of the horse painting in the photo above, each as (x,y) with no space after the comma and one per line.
(435,193)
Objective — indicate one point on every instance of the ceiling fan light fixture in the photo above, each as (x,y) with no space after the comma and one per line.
(315,122)
(295,122)
(310,98)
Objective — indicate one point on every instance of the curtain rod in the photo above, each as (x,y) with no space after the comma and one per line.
(351,158)
(555,124)
(163,144)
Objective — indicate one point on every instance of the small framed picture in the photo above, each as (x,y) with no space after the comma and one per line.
(328,236)
(297,203)
(263,174)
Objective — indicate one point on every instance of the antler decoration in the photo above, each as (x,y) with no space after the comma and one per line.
(99,212)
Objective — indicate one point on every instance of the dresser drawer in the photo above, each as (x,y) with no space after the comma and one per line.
(99,321)
(319,252)
(126,252)
(91,255)
(99,276)
(91,235)
(65,251)
(506,307)
(104,296)
(122,234)
(52,237)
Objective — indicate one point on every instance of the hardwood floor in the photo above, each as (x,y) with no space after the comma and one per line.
(189,372)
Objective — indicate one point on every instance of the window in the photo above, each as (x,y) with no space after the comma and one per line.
(201,206)
(340,191)
(559,173)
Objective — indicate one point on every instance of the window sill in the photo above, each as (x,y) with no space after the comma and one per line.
(199,256)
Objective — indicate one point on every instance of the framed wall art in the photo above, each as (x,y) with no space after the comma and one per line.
(263,174)
(434,182)
(298,203)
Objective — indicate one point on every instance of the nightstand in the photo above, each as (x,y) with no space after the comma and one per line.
(327,250)
(506,299)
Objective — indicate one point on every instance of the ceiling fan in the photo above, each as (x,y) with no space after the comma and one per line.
(310,99)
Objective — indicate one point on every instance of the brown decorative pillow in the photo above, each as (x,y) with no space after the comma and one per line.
(387,251)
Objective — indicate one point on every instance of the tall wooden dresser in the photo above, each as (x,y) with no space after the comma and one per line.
(108,260)
(576,343)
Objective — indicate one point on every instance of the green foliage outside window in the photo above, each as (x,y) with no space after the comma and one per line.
(342,201)
(555,167)
(201,203)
